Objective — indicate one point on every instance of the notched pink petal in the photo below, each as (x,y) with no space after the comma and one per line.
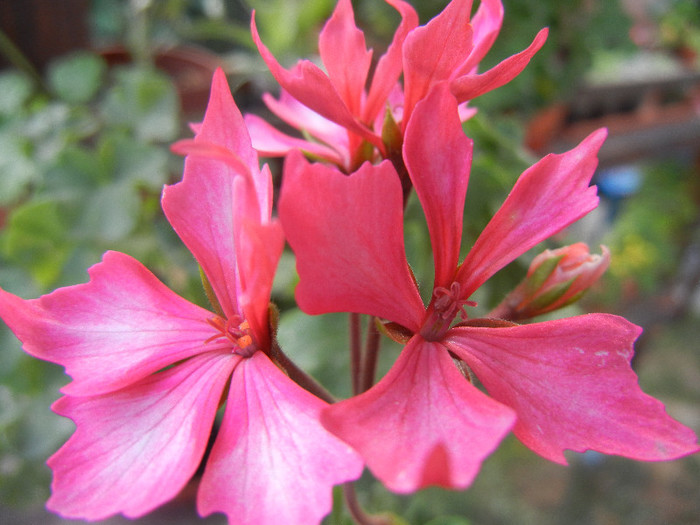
(547,197)
(272,458)
(571,384)
(438,156)
(136,448)
(423,423)
(121,326)
(470,86)
(347,235)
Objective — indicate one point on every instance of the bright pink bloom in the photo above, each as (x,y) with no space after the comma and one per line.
(563,384)
(150,369)
(447,49)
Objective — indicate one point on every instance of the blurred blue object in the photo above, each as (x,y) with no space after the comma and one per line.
(617,183)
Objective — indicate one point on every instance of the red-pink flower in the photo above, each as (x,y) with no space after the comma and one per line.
(150,370)
(559,385)
(345,98)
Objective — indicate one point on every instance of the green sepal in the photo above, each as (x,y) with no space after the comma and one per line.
(394,331)
(210,293)
(535,281)
(550,296)
(391,133)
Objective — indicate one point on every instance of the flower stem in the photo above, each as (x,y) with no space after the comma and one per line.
(355,352)
(297,375)
(370,357)
(359,515)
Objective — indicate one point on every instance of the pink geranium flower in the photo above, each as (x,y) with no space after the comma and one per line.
(150,370)
(564,384)
(447,49)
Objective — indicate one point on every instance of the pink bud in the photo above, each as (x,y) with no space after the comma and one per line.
(556,278)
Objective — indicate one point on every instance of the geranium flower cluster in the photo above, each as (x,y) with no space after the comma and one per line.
(150,370)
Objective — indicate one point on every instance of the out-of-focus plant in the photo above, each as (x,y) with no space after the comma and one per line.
(82,163)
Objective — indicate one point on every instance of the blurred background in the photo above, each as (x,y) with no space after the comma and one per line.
(92,92)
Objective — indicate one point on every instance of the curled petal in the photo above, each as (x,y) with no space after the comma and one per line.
(223,123)
(548,197)
(272,455)
(487,24)
(112,331)
(571,384)
(342,44)
(307,83)
(434,52)
(270,142)
(438,156)
(470,86)
(299,116)
(136,448)
(423,423)
(390,65)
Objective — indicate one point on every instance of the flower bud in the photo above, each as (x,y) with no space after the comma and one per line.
(555,279)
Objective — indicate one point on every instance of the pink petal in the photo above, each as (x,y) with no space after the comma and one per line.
(270,142)
(112,331)
(347,235)
(487,24)
(345,56)
(470,86)
(438,156)
(272,459)
(312,87)
(572,387)
(302,118)
(136,448)
(390,64)
(423,423)
(202,210)
(260,247)
(548,196)
(432,53)
(223,123)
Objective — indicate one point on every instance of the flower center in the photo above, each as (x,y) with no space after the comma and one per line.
(445,306)
(237,331)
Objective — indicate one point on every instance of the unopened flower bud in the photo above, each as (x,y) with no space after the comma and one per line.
(555,279)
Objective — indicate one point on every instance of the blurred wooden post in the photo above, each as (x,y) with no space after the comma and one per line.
(44,29)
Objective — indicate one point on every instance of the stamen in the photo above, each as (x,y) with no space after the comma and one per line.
(448,304)
(237,332)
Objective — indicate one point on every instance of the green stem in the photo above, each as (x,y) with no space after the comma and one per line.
(355,352)
(359,515)
(17,59)
(371,353)
(297,375)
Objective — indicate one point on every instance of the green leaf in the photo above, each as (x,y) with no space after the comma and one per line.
(17,169)
(15,90)
(77,78)
(36,238)
(145,102)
